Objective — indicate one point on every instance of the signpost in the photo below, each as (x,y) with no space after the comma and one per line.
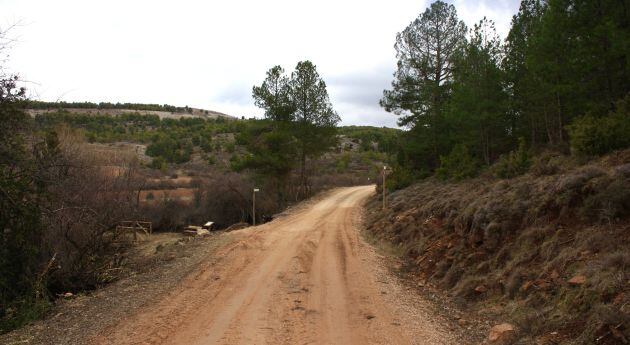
(254,206)
(384,188)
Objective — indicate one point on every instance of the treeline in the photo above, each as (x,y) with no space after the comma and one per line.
(31,104)
(559,80)
(169,140)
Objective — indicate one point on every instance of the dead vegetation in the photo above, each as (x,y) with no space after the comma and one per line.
(166,258)
(548,250)
(87,200)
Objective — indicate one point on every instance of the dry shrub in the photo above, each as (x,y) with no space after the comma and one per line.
(452,277)
(514,283)
(465,288)
(224,198)
(90,194)
(602,320)
(610,200)
(609,273)
(441,268)
(551,163)
(569,192)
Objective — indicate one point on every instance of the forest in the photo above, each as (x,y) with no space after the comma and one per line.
(559,81)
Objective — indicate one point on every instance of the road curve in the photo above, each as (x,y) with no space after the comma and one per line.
(305,278)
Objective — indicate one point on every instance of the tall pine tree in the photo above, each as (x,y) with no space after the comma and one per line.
(477,108)
(422,82)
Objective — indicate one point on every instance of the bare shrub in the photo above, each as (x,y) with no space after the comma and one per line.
(514,283)
(452,277)
(224,198)
(89,196)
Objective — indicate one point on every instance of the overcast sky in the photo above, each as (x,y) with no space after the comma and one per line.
(209,54)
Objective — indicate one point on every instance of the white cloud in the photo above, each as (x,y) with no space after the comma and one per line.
(499,11)
(210,53)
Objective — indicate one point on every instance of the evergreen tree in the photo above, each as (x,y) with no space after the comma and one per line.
(422,81)
(521,84)
(315,121)
(302,125)
(273,96)
(562,60)
(477,108)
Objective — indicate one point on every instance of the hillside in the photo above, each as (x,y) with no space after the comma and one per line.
(194,161)
(165,111)
(547,251)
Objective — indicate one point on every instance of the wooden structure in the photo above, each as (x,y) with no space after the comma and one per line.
(134,227)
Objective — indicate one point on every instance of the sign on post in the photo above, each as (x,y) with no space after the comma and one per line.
(384,188)
(254,206)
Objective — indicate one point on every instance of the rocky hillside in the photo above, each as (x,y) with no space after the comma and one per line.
(547,252)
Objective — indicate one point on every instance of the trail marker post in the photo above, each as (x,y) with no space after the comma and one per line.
(254,206)
(384,188)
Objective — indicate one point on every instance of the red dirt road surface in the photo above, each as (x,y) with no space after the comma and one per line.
(305,278)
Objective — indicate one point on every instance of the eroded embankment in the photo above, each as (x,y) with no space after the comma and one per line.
(548,253)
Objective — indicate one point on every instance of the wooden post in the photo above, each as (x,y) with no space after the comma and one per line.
(384,196)
(254,206)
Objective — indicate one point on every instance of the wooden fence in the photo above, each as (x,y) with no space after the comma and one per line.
(134,227)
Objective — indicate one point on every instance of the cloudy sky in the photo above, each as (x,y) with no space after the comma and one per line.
(209,54)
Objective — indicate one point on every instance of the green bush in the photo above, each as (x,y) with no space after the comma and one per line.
(458,165)
(158,163)
(172,150)
(513,164)
(401,177)
(237,164)
(230,147)
(205,144)
(591,135)
(342,163)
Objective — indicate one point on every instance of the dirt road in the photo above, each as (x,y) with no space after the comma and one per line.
(305,278)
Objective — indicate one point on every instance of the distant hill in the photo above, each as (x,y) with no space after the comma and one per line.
(105,108)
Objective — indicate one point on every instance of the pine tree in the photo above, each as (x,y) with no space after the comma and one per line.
(478,105)
(303,124)
(315,120)
(422,81)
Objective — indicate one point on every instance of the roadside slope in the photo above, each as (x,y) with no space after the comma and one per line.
(547,251)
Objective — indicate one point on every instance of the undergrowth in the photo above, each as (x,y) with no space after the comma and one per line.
(550,248)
